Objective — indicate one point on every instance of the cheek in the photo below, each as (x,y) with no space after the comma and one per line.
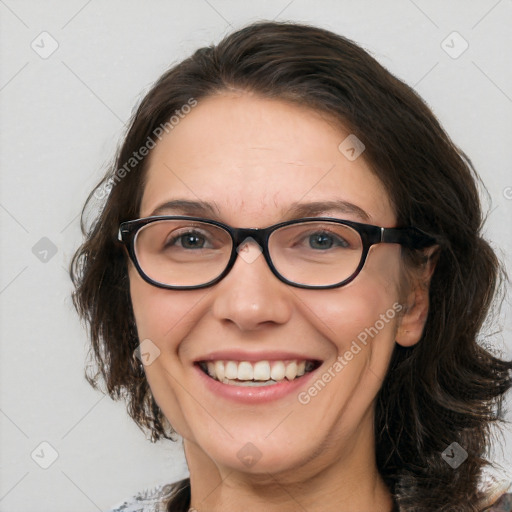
(360,320)
(359,323)
(358,314)
(345,312)
(165,317)
(159,312)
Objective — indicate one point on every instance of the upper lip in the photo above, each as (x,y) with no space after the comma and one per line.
(240,355)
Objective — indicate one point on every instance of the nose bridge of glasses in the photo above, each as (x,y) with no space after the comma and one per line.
(249,243)
(244,236)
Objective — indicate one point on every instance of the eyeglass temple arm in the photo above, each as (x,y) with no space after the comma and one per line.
(413,238)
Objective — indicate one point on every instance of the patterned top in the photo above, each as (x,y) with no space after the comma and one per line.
(504,504)
(148,500)
(155,499)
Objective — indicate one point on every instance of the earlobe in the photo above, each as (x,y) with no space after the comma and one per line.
(416,306)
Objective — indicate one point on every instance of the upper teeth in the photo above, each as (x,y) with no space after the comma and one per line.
(259,371)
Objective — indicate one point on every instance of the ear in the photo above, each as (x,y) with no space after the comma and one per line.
(412,321)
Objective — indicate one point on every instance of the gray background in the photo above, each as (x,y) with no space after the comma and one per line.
(61,119)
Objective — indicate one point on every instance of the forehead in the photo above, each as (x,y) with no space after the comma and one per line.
(252,158)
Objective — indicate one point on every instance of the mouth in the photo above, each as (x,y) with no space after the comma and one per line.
(257,373)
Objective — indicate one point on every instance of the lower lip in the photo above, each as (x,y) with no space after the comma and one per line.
(251,394)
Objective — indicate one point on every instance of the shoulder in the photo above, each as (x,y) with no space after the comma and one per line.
(148,500)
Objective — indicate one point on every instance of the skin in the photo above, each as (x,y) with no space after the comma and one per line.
(252,158)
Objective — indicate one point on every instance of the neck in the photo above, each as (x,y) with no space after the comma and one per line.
(349,482)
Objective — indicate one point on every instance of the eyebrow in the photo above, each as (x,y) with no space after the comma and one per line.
(296,210)
(187,207)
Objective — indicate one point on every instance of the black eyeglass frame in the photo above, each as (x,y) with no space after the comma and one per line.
(410,237)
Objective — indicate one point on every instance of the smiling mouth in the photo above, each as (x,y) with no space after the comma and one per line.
(259,373)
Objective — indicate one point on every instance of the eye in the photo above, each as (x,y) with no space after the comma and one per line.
(187,240)
(325,240)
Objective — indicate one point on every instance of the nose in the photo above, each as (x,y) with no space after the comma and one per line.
(251,296)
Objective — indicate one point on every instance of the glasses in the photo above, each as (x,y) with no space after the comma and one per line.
(184,253)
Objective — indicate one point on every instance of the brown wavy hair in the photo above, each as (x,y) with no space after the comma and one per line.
(447,388)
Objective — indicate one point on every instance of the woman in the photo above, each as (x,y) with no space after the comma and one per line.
(289,270)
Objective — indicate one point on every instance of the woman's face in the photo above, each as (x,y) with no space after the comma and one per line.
(252,160)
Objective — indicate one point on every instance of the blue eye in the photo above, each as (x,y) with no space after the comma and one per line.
(326,241)
(320,241)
